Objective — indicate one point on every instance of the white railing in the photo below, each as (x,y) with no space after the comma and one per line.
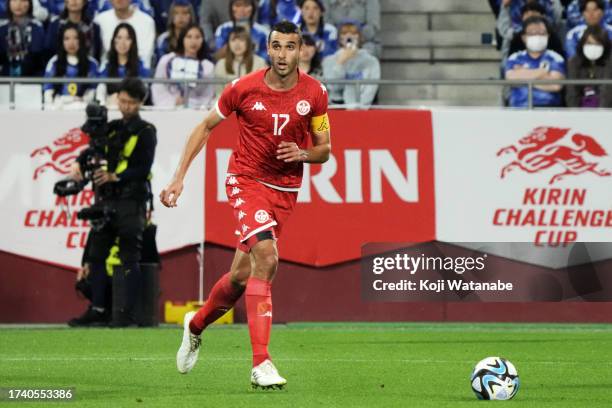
(12,82)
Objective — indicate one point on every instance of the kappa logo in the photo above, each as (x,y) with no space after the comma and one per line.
(543,149)
(239,202)
(302,107)
(264,309)
(324,125)
(62,152)
(258,106)
(262,216)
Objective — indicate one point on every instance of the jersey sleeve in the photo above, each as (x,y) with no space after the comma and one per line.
(320,121)
(320,101)
(50,73)
(228,101)
(558,64)
(571,43)
(512,62)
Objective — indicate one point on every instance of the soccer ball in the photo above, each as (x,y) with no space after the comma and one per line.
(495,378)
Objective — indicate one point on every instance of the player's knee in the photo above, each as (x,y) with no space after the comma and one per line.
(265,257)
(240,276)
(266,267)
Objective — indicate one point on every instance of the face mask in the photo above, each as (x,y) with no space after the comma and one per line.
(536,43)
(593,51)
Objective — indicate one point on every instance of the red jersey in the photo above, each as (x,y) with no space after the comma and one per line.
(265,118)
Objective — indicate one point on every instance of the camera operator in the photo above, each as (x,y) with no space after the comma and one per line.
(122,191)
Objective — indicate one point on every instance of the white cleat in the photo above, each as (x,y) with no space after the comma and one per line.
(187,354)
(265,376)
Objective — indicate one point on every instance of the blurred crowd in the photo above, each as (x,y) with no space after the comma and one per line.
(556,39)
(183,40)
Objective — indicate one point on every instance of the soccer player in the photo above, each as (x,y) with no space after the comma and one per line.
(278,109)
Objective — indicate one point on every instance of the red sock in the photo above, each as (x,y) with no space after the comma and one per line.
(221,299)
(259,315)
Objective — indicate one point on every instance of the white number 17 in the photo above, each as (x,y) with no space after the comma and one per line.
(278,130)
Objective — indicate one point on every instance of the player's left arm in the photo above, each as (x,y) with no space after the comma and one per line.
(321,145)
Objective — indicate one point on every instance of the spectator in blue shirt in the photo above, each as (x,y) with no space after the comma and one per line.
(593,13)
(536,62)
(72,61)
(271,12)
(574,15)
(511,39)
(21,41)
(312,22)
(122,61)
(75,11)
(554,11)
(516,44)
(242,13)
(181,15)
(54,7)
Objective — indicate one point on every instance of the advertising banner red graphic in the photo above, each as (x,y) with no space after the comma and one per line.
(62,152)
(537,177)
(57,157)
(541,150)
(41,226)
(557,211)
(377,186)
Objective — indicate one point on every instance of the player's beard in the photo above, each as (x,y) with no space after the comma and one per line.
(290,68)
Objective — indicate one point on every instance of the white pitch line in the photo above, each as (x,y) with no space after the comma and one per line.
(299,360)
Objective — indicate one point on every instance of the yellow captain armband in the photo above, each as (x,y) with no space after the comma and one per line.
(320,123)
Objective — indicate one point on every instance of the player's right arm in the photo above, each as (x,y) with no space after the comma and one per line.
(197,140)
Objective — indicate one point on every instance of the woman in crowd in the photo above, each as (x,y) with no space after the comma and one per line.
(239,59)
(592,61)
(72,61)
(21,41)
(310,58)
(187,63)
(75,11)
(122,61)
(242,13)
(312,22)
(180,15)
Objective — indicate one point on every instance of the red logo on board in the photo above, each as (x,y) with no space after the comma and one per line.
(62,152)
(543,149)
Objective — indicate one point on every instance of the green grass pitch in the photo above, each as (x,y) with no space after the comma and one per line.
(326,365)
